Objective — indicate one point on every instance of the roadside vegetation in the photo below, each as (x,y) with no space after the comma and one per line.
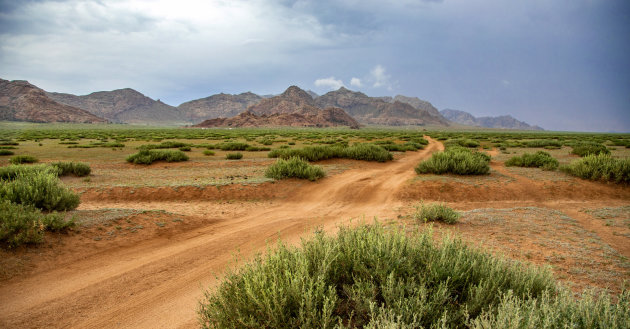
(149,156)
(539,159)
(366,152)
(294,167)
(600,167)
(367,277)
(436,212)
(456,160)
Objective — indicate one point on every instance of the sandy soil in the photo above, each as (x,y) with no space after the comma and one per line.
(154,277)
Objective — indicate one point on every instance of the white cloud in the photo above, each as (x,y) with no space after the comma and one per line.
(330,83)
(356,82)
(379,77)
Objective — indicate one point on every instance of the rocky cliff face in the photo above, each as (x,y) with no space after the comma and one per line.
(294,108)
(218,106)
(22,101)
(502,122)
(378,110)
(418,104)
(124,106)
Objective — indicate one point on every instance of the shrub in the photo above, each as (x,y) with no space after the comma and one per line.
(584,149)
(78,169)
(22,224)
(368,278)
(10,172)
(150,156)
(6,152)
(600,167)
(541,143)
(19,159)
(294,168)
(456,160)
(463,142)
(233,146)
(165,145)
(539,159)
(185,148)
(234,156)
(436,212)
(40,189)
(366,152)
(208,152)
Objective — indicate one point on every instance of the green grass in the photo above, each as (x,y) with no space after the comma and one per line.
(150,156)
(11,172)
(208,152)
(78,169)
(6,152)
(539,159)
(436,212)
(19,159)
(294,168)
(366,152)
(601,167)
(367,277)
(456,160)
(234,156)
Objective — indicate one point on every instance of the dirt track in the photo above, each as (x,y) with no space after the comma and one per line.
(158,282)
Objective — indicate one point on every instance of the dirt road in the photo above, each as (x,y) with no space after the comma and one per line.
(157,283)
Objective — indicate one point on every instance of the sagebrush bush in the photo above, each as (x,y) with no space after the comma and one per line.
(164,145)
(584,149)
(208,152)
(456,160)
(369,278)
(23,224)
(294,168)
(41,189)
(366,152)
(19,159)
(6,152)
(463,142)
(150,156)
(234,156)
(233,146)
(539,159)
(78,169)
(436,212)
(600,167)
(10,172)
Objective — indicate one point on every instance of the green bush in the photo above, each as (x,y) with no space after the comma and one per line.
(541,143)
(463,142)
(234,156)
(6,152)
(233,146)
(539,159)
(185,148)
(40,189)
(436,212)
(584,149)
(78,169)
(366,152)
(150,156)
(22,224)
(164,145)
(294,168)
(369,278)
(10,172)
(456,160)
(208,152)
(19,159)
(600,167)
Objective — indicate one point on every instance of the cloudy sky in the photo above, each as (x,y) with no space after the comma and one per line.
(560,64)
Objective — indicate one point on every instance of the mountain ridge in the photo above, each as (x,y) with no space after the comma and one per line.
(502,121)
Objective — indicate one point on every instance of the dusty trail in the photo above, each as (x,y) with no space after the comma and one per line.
(157,283)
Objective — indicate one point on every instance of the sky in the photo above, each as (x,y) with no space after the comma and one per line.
(560,64)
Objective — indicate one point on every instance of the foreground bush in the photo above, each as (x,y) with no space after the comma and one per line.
(12,171)
(22,224)
(366,152)
(234,156)
(294,168)
(456,160)
(436,212)
(601,167)
(539,159)
(79,169)
(150,156)
(19,159)
(369,278)
(40,189)
(584,149)
(6,152)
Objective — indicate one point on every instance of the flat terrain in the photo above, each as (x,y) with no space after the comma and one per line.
(154,238)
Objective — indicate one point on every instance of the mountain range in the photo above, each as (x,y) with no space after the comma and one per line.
(502,122)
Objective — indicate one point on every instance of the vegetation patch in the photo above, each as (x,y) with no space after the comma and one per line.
(436,212)
(165,145)
(6,152)
(584,149)
(38,188)
(234,156)
(366,152)
(208,152)
(78,169)
(601,167)
(369,278)
(19,159)
(294,167)
(150,156)
(456,160)
(539,159)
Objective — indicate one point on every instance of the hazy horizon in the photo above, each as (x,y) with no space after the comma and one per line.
(561,65)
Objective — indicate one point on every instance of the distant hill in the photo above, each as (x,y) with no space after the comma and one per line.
(294,108)
(218,106)
(503,121)
(22,101)
(124,106)
(379,110)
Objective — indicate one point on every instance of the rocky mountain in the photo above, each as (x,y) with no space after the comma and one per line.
(502,122)
(378,110)
(218,106)
(22,101)
(124,106)
(294,107)
(418,104)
